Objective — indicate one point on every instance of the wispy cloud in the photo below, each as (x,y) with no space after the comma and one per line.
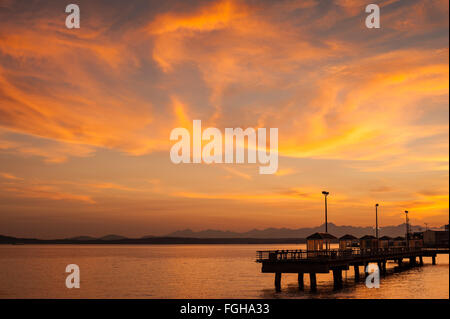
(9,176)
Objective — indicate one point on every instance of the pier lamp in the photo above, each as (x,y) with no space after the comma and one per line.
(407,229)
(376,220)
(326,217)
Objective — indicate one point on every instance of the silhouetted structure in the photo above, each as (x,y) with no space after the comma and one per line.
(415,240)
(368,242)
(385,242)
(433,238)
(319,241)
(348,242)
(399,241)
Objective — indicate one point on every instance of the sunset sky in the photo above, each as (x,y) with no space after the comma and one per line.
(86,114)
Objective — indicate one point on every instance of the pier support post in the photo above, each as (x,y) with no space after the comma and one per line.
(356,272)
(312,281)
(278,281)
(400,262)
(300,281)
(433,258)
(421,260)
(383,268)
(412,261)
(337,277)
(365,270)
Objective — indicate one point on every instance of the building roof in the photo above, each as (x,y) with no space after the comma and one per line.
(321,236)
(435,231)
(415,236)
(385,238)
(368,237)
(348,237)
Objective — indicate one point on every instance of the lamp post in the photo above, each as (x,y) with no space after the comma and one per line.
(376,220)
(326,217)
(407,229)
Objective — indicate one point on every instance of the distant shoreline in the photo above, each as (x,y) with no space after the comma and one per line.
(5,240)
(212,236)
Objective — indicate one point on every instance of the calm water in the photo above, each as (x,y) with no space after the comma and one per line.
(188,271)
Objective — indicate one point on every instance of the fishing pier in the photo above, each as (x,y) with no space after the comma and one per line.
(354,252)
(313,262)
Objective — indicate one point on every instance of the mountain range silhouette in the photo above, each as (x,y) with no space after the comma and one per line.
(211,236)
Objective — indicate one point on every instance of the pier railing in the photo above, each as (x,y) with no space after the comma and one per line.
(330,254)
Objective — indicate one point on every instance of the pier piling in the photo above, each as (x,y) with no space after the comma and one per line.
(356,272)
(278,281)
(301,284)
(312,281)
(337,277)
(433,258)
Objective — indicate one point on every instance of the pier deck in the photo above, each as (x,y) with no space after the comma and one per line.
(323,261)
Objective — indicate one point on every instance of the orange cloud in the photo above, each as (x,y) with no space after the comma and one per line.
(211,17)
(45,192)
(9,176)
